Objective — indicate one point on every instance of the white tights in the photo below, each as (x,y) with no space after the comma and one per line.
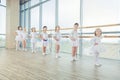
(33,45)
(96,58)
(18,45)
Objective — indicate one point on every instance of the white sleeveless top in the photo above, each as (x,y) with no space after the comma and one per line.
(44,35)
(24,35)
(19,35)
(57,35)
(33,35)
(74,35)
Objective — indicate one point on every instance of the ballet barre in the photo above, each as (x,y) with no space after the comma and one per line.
(50,36)
(86,27)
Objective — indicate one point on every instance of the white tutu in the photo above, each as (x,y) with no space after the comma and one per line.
(24,36)
(45,43)
(33,40)
(45,37)
(57,35)
(75,43)
(74,35)
(18,36)
(57,42)
(33,37)
(96,48)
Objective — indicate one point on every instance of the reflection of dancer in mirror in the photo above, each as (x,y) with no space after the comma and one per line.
(18,37)
(57,38)
(74,38)
(33,36)
(96,45)
(24,39)
(44,37)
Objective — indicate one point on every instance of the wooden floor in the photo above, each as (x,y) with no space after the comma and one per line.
(16,65)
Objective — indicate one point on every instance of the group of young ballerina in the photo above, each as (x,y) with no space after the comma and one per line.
(22,36)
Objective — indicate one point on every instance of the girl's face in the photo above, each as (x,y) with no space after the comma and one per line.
(44,29)
(20,28)
(98,32)
(58,29)
(33,30)
(75,27)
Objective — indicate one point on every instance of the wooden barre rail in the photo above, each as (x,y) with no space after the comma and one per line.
(86,27)
(89,36)
(93,36)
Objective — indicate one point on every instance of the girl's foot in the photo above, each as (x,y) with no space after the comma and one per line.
(97,64)
(43,54)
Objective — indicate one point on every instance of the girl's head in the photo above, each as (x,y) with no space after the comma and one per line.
(44,28)
(57,28)
(19,27)
(33,29)
(98,32)
(76,25)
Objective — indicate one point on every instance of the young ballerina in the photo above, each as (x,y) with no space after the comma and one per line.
(96,48)
(57,38)
(44,37)
(24,39)
(74,38)
(18,37)
(33,36)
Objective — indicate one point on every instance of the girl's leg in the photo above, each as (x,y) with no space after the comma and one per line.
(33,47)
(16,45)
(24,45)
(44,47)
(73,53)
(57,50)
(96,58)
(44,50)
(19,44)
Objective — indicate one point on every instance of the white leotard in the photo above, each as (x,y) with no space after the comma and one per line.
(74,35)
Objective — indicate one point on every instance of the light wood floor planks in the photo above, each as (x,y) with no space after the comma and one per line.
(19,65)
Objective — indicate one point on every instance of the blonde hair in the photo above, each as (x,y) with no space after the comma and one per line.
(96,30)
(33,28)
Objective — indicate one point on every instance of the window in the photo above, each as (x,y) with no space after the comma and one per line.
(27,19)
(100,12)
(3,2)
(48,14)
(22,19)
(2,25)
(35,17)
(2,20)
(33,2)
(69,12)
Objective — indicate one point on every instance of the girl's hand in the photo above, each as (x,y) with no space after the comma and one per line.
(72,39)
(96,44)
(44,39)
(57,39)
